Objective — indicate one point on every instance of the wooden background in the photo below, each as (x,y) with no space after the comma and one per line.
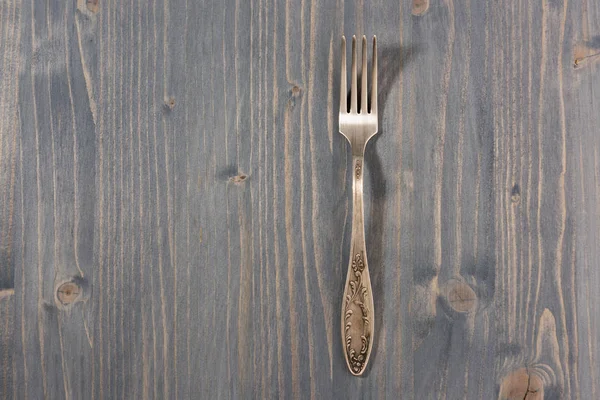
(179,162)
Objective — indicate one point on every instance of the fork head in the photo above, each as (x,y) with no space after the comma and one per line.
(358,123)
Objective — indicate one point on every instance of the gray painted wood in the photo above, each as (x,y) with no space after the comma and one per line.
(180,162)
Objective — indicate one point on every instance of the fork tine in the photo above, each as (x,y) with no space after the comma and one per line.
(343,88)
(374,79)
(364,108)
(353,88)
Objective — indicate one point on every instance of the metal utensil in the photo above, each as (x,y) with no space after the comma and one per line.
(358,125)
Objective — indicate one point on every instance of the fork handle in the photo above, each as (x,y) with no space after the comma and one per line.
(357,304)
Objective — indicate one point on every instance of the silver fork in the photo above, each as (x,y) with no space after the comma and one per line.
(358,126)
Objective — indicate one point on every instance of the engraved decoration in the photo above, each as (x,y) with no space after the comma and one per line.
(358,169)
(356,300)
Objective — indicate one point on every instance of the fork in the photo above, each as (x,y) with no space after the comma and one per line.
(358,125)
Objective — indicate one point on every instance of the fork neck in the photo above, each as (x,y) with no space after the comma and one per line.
(357,195)
(357,144)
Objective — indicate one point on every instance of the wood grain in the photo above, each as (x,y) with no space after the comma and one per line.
(177,165)
(9,156)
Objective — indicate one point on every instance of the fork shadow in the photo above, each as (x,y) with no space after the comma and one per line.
(392,60)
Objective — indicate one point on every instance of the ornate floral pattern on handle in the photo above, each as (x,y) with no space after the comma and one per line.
(357,314)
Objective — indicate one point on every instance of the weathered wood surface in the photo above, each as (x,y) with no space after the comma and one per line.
(179,161)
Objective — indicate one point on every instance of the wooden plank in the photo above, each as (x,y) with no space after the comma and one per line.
(56,207)
(174,199)
(7,329)
(583,162)
(9,125)
(9,47)
(535,285)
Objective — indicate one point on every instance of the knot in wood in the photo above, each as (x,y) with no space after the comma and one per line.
(68,293)
(171,103)
(515,194)
(522,384)
(461,297)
